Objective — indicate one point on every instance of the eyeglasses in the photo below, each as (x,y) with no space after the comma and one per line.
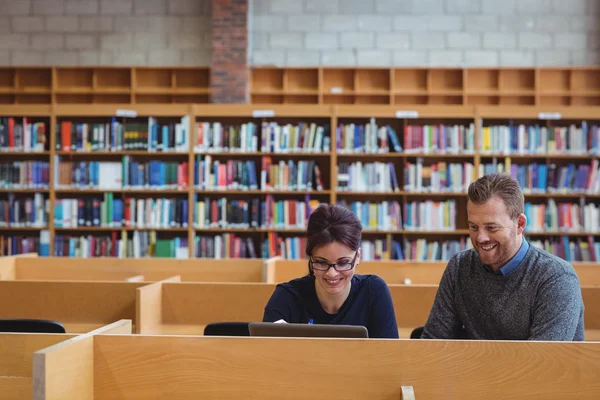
(339,266)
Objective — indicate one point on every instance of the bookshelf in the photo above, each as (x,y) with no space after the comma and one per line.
(473,119)
(104,85)
(542,86)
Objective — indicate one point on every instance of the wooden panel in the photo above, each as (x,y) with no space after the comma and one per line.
(267,80)
(138,367)
(393,272)
(410,80)
(65,370)
(113,78)
(15,387)
(591,302)
(148,309)
(69,302)
(16,351)
(153,270)
(301,80)
(203,303)
(7,268)
(482,80)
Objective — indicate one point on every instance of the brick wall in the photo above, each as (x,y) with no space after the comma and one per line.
(425,32)
(105,32)
(229,72)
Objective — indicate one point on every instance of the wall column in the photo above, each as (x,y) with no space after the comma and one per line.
(229,67)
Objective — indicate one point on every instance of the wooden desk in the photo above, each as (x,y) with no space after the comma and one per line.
(191,367)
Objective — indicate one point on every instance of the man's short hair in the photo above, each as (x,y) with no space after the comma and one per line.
(501,185)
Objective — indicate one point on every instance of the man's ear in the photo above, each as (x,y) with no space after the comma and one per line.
(521,223)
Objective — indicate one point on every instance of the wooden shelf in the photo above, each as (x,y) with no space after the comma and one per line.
(23,228)
(441,233)
(102,85)
(261,192)
(121,191)
(24,190)
(561,233)
(258,154)
(158,154)
(541,86)
(111,229)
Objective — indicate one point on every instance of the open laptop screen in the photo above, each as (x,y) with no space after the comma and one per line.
(269,329)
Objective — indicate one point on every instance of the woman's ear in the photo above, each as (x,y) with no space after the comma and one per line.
(357,257)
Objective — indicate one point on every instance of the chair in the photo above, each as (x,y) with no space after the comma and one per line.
(227,329)
(416,333)
(31,326)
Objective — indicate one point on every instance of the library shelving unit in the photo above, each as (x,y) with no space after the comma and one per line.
(29,114)
(543,86)
(104,85)
(530,166)
(394,98)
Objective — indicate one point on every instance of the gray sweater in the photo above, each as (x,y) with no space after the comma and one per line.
(539,300)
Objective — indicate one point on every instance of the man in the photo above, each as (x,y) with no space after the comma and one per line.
(503,288)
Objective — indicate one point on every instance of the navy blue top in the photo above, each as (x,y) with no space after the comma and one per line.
(369,304)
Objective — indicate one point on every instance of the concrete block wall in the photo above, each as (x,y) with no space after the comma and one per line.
(424,32)
(105,32)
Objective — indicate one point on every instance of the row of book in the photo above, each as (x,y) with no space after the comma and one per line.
(109,211)
(437,177)
(562,217)
(11,245)
(252,213)
(428,250)
(227,245)
(572,250)
(303,137)
(430,215)
(24,175)
(127,174)
(115,135)
(368,177)
(114,212)
(439,139)
(16,212)
(550,178)
(385,215)
(134,245)
(22,134)
(368,138)
(540,140)
(291,175)
(146,244)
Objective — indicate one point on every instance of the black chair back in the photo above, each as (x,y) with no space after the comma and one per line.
(22,325)
(227,329)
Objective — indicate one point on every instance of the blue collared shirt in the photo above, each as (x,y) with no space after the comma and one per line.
(514,262)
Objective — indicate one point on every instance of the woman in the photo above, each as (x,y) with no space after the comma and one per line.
(332,293)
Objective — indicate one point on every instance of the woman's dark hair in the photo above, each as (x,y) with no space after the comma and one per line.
(332,223)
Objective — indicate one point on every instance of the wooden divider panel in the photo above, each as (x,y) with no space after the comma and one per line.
(65,370)
(393,272)
(7,268)
(79,306)
(203,303)
(108,269)
(179,367)
(149,300)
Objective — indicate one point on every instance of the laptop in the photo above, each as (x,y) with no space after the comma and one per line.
(269,329)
